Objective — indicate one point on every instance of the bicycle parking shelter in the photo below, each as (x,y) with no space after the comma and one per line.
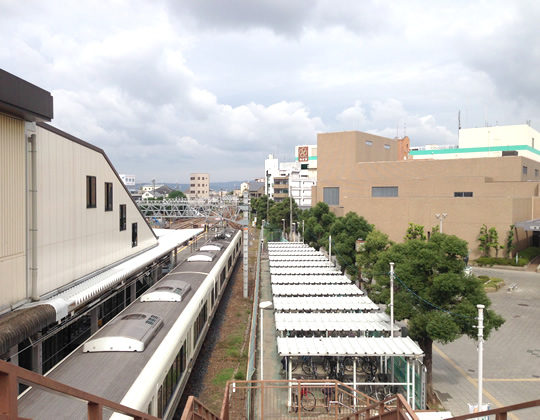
(383,348)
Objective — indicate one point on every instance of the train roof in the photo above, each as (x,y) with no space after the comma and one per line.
(111,374)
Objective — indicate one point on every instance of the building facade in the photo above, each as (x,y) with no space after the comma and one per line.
(498,192)
(199,185)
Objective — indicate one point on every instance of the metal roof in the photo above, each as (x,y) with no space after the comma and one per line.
(299,262)
(86,290)
(333,303)
(326,271)
(348,346)
(310,257)
(287,245)
(332,321)
(307,279)
(316,290)
(294,251)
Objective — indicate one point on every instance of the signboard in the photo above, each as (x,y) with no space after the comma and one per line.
(303,154)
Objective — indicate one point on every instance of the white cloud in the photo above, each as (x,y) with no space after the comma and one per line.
(172,87)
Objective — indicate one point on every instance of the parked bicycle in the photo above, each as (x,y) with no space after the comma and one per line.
(285,362)
(307,399)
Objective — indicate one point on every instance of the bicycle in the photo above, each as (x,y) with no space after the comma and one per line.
(285,363)
(306,364)
(307,400)
(369,366)
(348,363)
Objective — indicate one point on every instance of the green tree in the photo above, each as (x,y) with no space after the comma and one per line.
(434,295)
(484,240)
(510,242)
(259,207)
(494,241)
(345,231)
(375,244)
(176,194)
(415,232)
(317,223)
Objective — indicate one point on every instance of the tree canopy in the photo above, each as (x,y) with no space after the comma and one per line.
(434,294)
(176,194)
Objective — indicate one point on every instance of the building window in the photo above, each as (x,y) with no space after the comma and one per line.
(536,172)
(304,166)
(192,178)
(90,192)
(463,194)
(134,236)
(108,196)
(387,146)
(331,196)
(369,143)
(524,170)
(123,217)
(384,191)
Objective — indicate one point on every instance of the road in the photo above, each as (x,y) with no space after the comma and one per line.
(511,355)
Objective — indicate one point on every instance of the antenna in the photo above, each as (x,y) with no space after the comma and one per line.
(459,120)
(404,130)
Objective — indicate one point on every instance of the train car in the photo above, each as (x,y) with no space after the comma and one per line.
(144,356)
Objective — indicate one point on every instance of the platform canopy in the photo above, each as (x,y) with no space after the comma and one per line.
(348,346)
(316,290)
(320,271)
(332,321)
(333,303)
(300,262)
(307,279)
(287,245)
(311,257)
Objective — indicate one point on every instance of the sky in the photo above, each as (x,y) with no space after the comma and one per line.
(170,87)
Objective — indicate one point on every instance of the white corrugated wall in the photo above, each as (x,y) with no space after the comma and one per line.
(12,212)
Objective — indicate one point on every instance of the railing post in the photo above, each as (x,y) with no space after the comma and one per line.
(95,411)
(8,395)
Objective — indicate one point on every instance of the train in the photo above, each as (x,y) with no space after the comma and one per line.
(144,356)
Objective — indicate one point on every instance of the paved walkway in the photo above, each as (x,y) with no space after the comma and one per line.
(511,355)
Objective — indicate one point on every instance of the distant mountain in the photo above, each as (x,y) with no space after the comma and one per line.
(216,186)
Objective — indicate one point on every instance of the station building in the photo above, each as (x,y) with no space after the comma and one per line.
(75,249)
(464,187)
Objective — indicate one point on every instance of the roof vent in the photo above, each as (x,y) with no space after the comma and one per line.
(168,290)
(202,256)
(131,332)
(211,246)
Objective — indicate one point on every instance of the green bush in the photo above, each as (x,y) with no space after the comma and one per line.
(491,261)
(240,376)
(529,253)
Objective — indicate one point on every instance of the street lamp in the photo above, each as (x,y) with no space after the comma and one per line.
(441,217)
(262,306)
(283,220)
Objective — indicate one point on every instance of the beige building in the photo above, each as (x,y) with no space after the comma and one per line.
(199,185)
(354,175)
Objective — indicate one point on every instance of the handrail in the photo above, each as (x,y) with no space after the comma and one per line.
(500,413)
(11,375)
(194,409)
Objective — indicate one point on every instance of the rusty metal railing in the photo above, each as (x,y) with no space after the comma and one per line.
(195,410)
(301,399)
(11,375)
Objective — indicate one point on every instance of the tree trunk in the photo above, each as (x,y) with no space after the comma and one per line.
(426,344)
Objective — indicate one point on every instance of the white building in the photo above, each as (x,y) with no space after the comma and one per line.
(292,178)
(498,141)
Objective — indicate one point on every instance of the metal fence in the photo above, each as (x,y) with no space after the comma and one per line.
(254,317)
(306,399)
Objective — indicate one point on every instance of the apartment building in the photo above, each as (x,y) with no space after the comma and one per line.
(199,185)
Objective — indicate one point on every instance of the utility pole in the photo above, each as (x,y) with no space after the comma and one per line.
(391,299)
(480,353)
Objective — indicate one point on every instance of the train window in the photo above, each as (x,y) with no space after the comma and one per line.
(159,402)
(134,236)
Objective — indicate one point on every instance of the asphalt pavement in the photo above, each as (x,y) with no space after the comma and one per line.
(511,368)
